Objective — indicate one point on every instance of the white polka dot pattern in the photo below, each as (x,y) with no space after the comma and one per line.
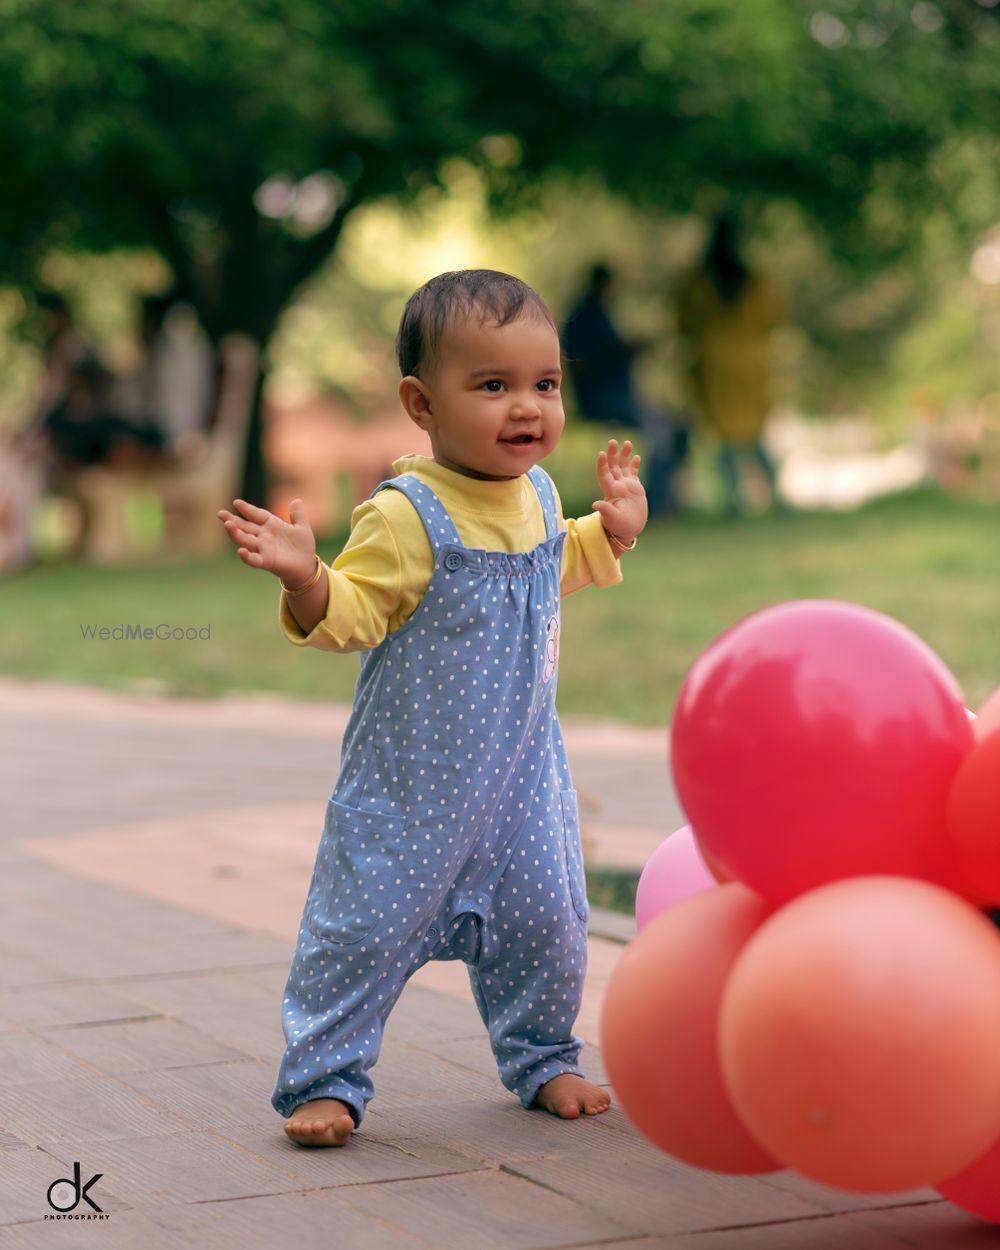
(452,832)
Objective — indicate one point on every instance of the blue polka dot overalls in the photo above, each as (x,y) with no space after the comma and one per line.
(452,832)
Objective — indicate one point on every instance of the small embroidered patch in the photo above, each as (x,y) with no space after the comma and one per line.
(551,648)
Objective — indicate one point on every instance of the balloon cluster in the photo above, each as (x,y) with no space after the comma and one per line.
(814,984)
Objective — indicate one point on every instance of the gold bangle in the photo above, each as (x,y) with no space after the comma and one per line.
(617,542)
(293,592)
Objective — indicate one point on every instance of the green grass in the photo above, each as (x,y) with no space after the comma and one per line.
(931,561)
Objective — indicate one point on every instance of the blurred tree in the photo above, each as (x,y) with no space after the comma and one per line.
(236,138)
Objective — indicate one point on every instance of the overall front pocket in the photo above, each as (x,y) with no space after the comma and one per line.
(574,853)
(355,874)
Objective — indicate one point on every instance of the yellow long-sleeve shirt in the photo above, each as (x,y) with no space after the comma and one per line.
(383,572)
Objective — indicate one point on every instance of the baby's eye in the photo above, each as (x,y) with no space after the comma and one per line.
(548,384)
(494,386)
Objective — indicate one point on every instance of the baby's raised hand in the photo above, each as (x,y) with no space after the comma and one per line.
(265,541)
(623,508)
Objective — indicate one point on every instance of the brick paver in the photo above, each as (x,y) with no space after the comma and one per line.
(150,887)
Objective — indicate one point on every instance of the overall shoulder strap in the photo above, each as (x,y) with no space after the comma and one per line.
(436,519)
(547,498)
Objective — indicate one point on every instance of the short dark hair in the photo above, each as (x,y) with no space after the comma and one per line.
(497,297)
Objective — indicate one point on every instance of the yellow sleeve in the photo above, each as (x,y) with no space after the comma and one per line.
(365,584)
(587,555)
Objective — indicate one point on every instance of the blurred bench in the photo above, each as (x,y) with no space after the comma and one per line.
(205,477)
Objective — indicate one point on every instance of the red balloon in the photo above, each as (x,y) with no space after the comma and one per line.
(977,1189)
(659,1030)
(714,867)
(974,818)
(859,1034)
(818,740)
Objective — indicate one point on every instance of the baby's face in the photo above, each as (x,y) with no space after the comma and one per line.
(495,403)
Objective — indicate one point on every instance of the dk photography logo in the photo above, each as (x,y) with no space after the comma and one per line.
(66,1195)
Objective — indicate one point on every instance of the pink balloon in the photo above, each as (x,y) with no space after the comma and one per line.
(988,716)
(818,740)
(977,1189)
(674,872)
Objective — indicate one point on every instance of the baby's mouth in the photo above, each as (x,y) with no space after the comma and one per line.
(519,440)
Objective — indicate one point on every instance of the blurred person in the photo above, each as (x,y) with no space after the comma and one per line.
(78,414)
(27,459)
(85,428)
(600,364)
(726,313)
(174,388)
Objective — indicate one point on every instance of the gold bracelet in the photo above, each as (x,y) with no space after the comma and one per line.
(293,592)
(617,542)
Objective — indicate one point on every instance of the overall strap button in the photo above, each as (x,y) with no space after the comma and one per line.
(452,561)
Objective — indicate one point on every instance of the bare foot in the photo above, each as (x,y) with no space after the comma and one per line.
(320,1122)
(567,1095)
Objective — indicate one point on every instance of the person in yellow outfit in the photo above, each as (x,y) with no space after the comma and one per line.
(453,828)
(726,312)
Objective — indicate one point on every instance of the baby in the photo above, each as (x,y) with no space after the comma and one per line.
(452,832)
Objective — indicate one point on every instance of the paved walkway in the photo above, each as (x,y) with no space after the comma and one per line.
(153,863)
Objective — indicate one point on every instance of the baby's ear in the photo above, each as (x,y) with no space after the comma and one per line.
(415,398)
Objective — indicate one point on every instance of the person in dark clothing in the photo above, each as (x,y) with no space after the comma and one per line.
(600,363)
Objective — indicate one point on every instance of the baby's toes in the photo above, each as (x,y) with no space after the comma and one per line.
(594,1104)
(568,1108)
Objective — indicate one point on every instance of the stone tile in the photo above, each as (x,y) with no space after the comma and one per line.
(19,968)
(118,1230)
(25,1177)
(70,1003)
(26,1058)
(933,1226)
(120,1048)
(315,1220)
(52,1113)
(216,1096)
(486,1210)
(405,1075)
(185,993)
(51,893)
(645,1191)
(834,1232)
(170,1168)
(364,1161)
(424,1015)
(231,1007)
(473,1053)
(843,1200)
(491,1134)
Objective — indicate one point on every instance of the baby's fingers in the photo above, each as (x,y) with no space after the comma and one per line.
(259,516)
(253,558)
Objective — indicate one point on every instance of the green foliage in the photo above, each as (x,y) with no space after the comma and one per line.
(155,122)
(925,559)
(236,140)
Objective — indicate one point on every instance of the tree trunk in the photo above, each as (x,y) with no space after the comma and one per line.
(255,479)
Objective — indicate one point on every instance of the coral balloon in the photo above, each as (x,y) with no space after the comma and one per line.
(988,716)
(658,1030)
(977,1189)
(858,1034)
(673,873)
(818,740)
(974,819)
